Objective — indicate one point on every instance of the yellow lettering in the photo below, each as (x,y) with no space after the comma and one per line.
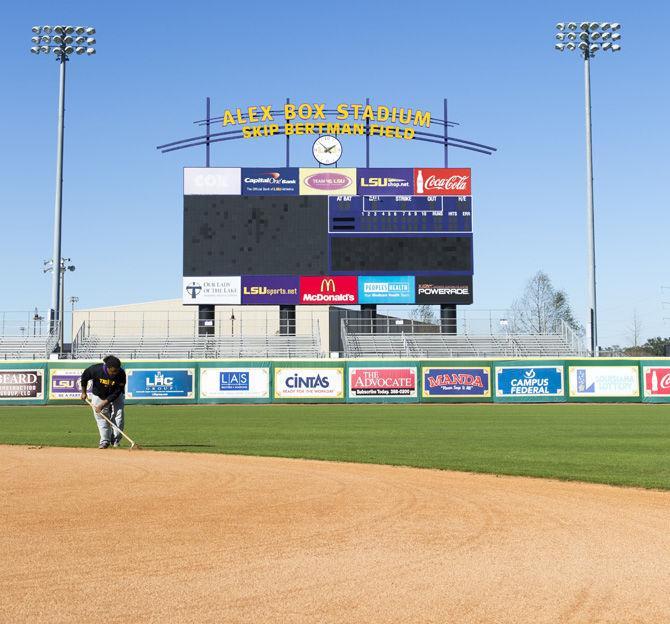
(382,113)
(252,114)
(422,119)
(359,129)
(288,129)
(240,117)
(246,133)
(409,133)
(342,111)
(368,113)
(267,114)
(305,111)
(332,128)
(319,111)
(289,111)
(355,110)
(228,118)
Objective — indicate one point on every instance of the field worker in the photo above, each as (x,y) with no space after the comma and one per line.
(109,384)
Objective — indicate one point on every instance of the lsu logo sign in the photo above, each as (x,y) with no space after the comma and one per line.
(325,290)
(311,383)
(456,382)
(529,382)
(385,181)
(65,383)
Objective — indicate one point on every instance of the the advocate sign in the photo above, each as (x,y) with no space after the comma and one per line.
(326,290)
(388,382)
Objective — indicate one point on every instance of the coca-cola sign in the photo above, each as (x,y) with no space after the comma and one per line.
(656,381)
(432,181)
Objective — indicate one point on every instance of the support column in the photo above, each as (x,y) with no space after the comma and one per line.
(287,320)
(448,319)
(369,317)
(205,320)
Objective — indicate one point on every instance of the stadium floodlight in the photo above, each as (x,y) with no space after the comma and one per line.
(80,40)
(590,36)
(559,46)
(91,41)
(572,36)
(560,36)
(61,46)
(560,26)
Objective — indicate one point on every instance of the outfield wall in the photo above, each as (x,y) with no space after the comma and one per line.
(352,381)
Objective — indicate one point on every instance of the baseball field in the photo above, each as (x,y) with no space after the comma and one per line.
(390,525)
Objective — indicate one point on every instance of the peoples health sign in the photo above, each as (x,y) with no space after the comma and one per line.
(164,383)
(386,289)
(530,382)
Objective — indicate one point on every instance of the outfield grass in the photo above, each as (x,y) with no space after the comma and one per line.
(626,444)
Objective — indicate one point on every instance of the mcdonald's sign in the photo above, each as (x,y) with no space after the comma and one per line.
(326,290)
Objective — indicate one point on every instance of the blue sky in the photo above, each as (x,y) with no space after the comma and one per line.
(495,62)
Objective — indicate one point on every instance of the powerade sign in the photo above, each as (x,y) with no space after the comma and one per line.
(270,289)
(443,289)
(385,181)
(270,181)
(391,289)
(456,382)
(151,383)
(529,381)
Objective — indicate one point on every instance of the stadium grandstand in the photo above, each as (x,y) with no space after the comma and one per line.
(168,330)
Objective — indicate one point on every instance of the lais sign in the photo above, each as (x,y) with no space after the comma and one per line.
(309,383)
(432,181)
(529,381)
(456,382)
(656,381)
(325,290)
(235,383)
(388,382)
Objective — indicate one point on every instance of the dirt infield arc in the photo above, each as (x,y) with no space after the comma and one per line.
(138,537)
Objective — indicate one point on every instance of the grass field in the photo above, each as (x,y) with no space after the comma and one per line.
(626,444)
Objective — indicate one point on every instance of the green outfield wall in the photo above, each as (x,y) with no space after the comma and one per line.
(354,381)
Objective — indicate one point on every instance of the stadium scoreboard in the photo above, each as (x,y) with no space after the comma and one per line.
(327,235)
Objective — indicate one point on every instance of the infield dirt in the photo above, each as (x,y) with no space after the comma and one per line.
(118,536)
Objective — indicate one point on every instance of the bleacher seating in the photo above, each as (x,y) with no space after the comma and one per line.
(26,347)
(197,347)
(432,345)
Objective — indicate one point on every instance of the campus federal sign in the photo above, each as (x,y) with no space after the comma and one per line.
(530,383)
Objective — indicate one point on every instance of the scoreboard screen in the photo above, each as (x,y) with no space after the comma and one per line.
(260,237)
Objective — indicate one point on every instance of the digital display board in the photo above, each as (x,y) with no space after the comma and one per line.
(252,234)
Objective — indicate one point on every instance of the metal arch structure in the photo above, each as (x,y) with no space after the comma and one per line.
(207,139)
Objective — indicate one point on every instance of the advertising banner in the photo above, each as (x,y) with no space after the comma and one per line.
(270,289)
(164,383)
(21,384)
(656,381)
(212,181)
(64,383)
(443,289)
(270,181)
(432,181)
(212,290)
(327,181)
(604,381)
(386,289)
(326,290)
(456,382)
(385,181)
(530,382)
(240,382)
(382,382)
(309,383)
